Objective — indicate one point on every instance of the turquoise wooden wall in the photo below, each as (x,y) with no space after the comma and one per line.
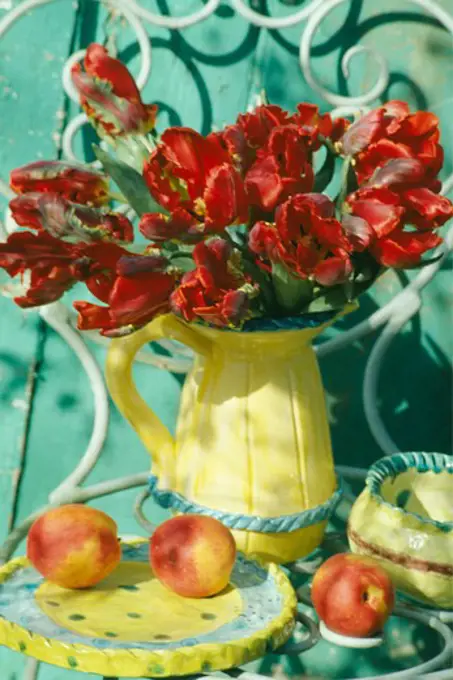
(203,76)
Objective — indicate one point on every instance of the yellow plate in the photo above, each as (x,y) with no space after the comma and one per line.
(131,626)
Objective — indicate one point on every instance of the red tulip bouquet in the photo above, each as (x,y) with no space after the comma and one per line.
(236,223)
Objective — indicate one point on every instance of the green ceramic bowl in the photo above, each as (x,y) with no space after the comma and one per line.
(404,518)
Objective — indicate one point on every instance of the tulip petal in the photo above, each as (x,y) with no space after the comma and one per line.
(358,231)
(332,270)
(72,181)
(379,208)
(100,64)
(136,300)
(398,171)
(434,209)
(225,198)
(263,183)
(404,249)
(110,96)
(93,317)
(180,225)
(258,124)
(192,156)
(363,132)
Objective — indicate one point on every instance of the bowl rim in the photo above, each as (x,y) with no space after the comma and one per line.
(398,463)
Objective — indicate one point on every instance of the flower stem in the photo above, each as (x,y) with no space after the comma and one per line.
(344,184)
(178,254)
(328,144)
(117,196)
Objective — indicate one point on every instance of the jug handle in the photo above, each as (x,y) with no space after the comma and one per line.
(120,356)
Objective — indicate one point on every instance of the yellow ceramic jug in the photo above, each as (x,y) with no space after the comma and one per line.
(252,440)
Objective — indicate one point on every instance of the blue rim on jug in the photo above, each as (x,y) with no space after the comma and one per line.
(267,525)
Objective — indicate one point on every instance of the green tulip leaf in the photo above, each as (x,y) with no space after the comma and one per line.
(292,293)
(130,183)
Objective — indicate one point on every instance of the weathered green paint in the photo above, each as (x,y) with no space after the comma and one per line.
(203,77)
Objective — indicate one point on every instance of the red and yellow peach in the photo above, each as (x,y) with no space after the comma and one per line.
(353,595)
(193,555)
(74,546)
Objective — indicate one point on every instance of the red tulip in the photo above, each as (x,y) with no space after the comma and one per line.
(399,172)
(258,124)
(25,210)
(332,270)
(217,259)
(316,124)
(283,160)
(357,230)
(52,213)
(306,239)
(179,226)
(426,209)
(403,249)
(110,96)
(393,132)
(249,136)
(55,265)
(282,168)
(380,208)
(216,290)
(135,287)
(383,216)
(77,183)
(194,173)
(265,240)
(132,302)
(363,132)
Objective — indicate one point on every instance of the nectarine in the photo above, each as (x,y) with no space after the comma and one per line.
(74,546)
(193,555)
(353,595)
